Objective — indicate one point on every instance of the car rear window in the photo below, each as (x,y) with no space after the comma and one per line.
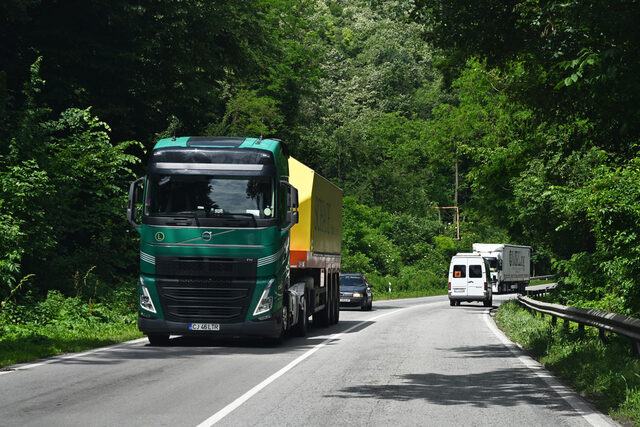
(475,271)
(459,271)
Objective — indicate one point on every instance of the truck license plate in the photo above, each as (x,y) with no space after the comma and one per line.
(204,327)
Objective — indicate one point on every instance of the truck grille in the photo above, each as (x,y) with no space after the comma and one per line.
(205,290)
(206,267)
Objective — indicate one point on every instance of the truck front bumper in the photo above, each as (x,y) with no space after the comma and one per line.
(266,328)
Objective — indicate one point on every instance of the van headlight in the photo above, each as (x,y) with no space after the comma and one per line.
(145,299)
(266,301)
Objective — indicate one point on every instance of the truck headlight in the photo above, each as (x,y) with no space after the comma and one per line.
(266,301)
(357,295)
(145,299)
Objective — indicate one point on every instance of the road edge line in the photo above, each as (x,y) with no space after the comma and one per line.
(583,408)
(60,357)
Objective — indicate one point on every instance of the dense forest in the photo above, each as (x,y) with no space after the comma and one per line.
(531,105)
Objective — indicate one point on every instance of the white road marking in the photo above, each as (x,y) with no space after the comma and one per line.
(255,390)
(590,415)
(55,359)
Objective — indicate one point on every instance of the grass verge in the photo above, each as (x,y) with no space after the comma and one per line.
(606,374)
(60,325)
(381,296)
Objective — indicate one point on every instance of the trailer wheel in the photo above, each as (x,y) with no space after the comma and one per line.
(158,339)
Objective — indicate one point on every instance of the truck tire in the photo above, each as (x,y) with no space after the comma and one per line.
(300,330)
(336,302)
(158,339)
(279,339)
(321,318)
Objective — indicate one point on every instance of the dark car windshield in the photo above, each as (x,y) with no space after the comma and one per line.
(351,280)
(210,196)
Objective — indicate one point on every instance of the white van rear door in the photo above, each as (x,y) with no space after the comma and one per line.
(475,276)
(458,277)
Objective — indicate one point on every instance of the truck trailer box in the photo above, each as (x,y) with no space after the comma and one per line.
(319,228)
(510,265)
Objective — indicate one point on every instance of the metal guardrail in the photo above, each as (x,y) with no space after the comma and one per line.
(538,290)
(605,322)
(549,276)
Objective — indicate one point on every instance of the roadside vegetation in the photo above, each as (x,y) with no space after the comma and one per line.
(606,374)
(41,327)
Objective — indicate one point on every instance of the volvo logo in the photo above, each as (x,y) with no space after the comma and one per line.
(206,236)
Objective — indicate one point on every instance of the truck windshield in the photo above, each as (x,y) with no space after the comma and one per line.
(493,263)
(210,196)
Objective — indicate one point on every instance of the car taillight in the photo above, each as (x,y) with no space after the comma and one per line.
(449,285)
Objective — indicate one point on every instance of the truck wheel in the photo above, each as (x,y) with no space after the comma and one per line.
(158,339)
(300,330)
(336,304)
(321,318)
(279,339)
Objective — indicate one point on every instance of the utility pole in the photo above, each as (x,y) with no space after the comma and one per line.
(457,215)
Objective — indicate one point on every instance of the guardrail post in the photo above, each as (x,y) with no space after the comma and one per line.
(603,336)
(554,320)
(635,348)
(566,323)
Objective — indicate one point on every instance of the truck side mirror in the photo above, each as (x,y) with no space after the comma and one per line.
(292,205)
(135,198)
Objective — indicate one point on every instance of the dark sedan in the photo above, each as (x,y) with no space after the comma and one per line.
(355,291)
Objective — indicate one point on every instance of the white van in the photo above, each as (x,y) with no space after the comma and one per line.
(469,279)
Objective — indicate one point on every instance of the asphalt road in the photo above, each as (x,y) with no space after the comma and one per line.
(415,362)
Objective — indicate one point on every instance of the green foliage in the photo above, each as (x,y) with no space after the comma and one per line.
(247,113)
(610,204)
(607,374)
(62,194)
(39,328)
(396,248)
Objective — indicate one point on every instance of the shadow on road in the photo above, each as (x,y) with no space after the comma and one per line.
(509,387)
(478,351)
(185,347)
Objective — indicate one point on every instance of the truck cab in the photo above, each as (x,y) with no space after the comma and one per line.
(218,255)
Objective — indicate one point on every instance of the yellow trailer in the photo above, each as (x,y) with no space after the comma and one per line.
(316,241)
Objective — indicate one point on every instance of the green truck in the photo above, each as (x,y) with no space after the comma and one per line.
(236,239)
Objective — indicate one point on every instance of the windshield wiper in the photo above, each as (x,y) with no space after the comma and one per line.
(192,214)
(232,215)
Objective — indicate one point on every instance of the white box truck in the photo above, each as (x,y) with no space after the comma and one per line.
(510,265)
